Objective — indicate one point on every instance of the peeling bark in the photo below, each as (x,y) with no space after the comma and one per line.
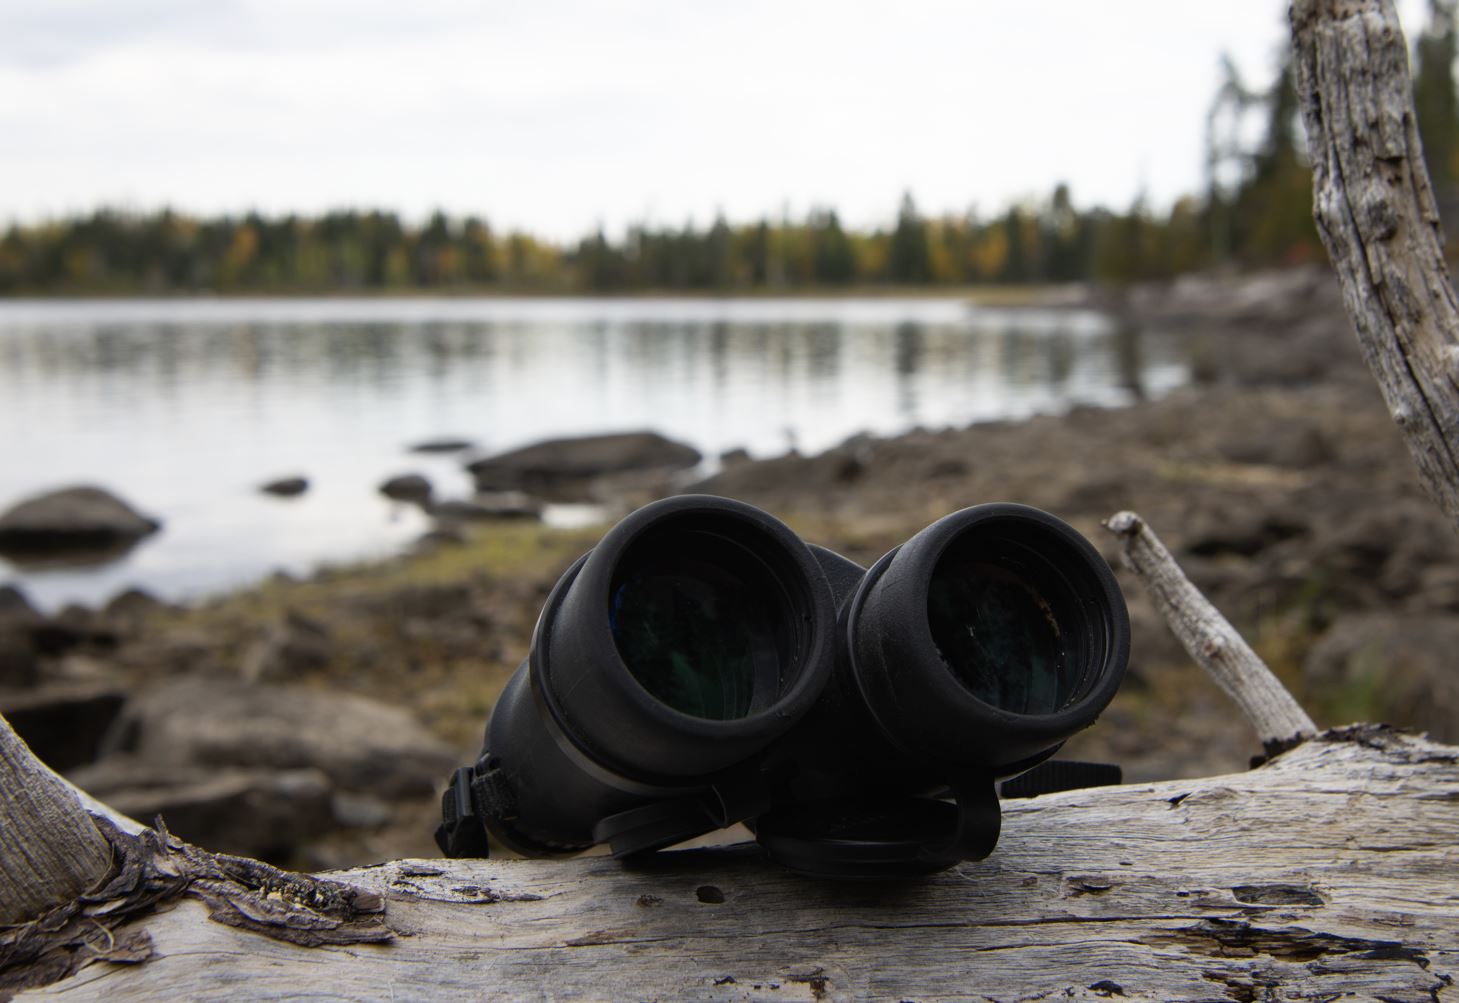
(151,870)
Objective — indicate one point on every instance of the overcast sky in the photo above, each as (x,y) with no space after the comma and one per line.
(558,115)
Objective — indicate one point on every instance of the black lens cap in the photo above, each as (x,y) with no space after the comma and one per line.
(901,837)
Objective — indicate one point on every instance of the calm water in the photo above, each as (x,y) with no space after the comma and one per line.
(184,407)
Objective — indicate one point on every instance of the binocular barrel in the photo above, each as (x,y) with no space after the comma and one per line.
(703,666)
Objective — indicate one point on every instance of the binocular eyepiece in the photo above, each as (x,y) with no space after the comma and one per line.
(703,666)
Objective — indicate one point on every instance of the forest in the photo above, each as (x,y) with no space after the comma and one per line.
(1254,212)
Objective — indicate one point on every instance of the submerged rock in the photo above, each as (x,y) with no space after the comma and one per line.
(286,487)
(71,520)
(492,505)
(407,487)
(565,466)
(443,446)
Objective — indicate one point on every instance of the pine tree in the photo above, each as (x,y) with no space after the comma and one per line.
(1434,95)
(909,261)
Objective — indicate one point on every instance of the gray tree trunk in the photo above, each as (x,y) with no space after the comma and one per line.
(50,851)
(1376,212)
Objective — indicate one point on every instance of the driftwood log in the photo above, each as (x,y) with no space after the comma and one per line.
(1331,871)
(1328,873)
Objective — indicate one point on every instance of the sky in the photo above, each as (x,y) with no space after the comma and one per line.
(559,116)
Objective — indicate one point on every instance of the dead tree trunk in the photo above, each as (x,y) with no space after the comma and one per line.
(1375,209)
(50,851)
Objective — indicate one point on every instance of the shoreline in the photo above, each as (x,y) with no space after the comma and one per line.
(1277,479)
(1013,294)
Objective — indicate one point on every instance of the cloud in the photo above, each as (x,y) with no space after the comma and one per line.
(558,114)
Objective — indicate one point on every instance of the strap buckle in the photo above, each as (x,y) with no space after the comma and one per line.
(475,794)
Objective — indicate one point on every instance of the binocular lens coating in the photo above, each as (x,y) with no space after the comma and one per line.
(1005,621)
(699,622)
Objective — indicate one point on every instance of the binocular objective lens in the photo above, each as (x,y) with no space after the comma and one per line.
(703,634)
(1001,619)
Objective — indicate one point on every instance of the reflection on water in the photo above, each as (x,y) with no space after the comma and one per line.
(184,407)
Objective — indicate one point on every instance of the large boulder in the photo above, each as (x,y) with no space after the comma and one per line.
(64,723)
(360,744)
(72,519)
(253,812)
(1397,668)
(564,467)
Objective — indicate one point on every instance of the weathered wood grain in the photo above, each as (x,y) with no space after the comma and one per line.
(1376,212)
(1209,638)
(1331,872)
(50,851)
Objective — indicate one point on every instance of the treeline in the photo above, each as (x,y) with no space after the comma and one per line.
(167,252)
(1255,211)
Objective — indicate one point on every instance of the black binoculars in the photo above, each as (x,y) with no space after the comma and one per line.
(703,666)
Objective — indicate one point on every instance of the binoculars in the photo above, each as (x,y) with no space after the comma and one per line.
(703,666)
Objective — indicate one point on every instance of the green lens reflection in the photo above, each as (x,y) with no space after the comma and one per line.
(996,627)
(699,630)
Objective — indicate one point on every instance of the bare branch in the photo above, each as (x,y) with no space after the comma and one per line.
(1209,637)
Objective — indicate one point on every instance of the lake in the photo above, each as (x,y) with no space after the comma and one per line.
(184,407)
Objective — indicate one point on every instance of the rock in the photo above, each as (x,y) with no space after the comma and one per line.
(1383,553)
(1243,532)
(18,619)
(1283,445)
(1381,666)
(563,467)
(734,457)
(254,812)
(492,505)
(19,664)
(289,650)
(75,627)
(359,811)
(286,487)
(443,446)
(407,487)
(15,606)
(63,724)
(177,651)
(133,604)
(445,535)
(70,520)
(362,745)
